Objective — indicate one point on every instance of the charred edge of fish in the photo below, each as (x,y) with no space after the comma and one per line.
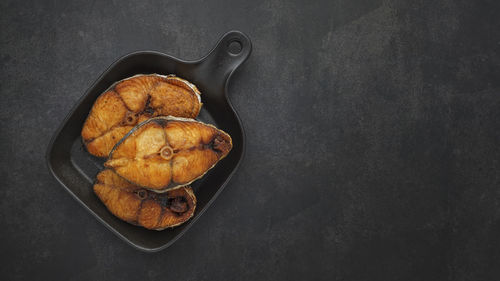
(191,201)
(220,145)
(178,204)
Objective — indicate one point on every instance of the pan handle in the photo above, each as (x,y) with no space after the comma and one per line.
(231,51)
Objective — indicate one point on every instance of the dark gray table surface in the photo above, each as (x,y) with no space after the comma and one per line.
(373,139)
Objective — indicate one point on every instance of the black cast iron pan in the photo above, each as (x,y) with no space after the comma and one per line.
(75,169)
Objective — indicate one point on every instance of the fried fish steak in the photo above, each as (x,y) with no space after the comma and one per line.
(133,100)
(166,152)
(143,207)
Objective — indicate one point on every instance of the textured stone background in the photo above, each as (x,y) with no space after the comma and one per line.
(373,139)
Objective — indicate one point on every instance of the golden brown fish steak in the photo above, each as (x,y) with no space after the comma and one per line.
(164,153)
(133,100)
(142,207)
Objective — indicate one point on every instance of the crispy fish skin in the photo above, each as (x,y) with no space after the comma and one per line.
(142,207)
(133,100)
(164,153)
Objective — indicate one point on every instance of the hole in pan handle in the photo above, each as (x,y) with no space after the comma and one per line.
(231,51)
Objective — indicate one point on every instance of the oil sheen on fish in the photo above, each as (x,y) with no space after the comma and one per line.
(167,152)
(143,207)
(133,100)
